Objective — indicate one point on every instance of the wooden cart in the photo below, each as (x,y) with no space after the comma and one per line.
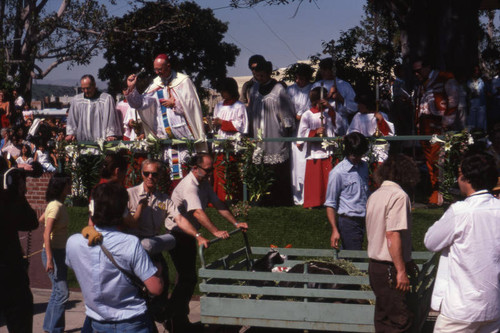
(235,295)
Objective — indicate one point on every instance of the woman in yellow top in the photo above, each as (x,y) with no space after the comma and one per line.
(54,253)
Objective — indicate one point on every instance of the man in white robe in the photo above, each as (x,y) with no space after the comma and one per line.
(92,114)
(169,108)
(340,94)
(299,95)
(370,122)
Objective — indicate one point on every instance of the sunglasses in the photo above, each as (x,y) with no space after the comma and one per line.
(147,174)
(207,170)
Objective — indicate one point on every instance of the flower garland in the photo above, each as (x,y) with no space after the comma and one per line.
(453,147)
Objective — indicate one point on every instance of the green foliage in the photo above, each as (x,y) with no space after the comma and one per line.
(453,149)
(38,31)
(191,36)
(366,54)
(258,177)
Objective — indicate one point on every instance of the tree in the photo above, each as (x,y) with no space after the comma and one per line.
(191,36)
(446,32)
(366,54)
(32,32)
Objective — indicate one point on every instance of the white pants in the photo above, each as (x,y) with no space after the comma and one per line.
(447,325)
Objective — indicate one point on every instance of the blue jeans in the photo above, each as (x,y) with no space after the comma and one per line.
(54,320)
(140,324)
(352,232)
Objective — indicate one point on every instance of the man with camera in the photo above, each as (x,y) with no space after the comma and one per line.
(16,301)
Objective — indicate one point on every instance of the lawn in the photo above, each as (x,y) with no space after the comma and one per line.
(302,228)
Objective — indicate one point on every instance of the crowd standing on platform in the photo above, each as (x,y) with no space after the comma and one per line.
(135,225)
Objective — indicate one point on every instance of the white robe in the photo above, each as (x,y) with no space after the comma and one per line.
(274,116)
(366,124)
(342,110)
(130,115)
(236,114)
(312,121)
(300,99)
(185,119)
(92,119)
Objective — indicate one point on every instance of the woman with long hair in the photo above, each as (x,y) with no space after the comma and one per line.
(54,253)
(25,157)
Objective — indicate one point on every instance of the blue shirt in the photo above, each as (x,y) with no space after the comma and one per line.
(108,294)
(347,190)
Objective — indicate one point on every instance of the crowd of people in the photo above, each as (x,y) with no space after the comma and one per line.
(128,227)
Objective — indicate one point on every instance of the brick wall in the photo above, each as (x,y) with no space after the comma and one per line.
(36,192)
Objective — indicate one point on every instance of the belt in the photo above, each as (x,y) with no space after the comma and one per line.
(383,262)
(353,217)
(141,317)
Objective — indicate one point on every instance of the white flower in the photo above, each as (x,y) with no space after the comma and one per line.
(447,146)
(72,151)
(435,139)
(326,144)
(151,138)
(259,134)
(257,155)
(470,141)
(100,143)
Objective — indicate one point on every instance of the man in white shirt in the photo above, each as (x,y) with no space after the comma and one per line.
(192,196)
(467,288)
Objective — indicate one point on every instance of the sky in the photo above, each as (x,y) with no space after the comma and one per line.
(283,34)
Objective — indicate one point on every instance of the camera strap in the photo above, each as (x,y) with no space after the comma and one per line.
(133,278)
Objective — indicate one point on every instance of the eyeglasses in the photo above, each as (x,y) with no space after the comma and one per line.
(207,170)
(147,174)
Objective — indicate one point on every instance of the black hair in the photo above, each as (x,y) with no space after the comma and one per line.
(255,59)
(304,70)
(110,201)
(197,159)
(88,76)
(480,171)
(326,63)
(111,162)
(355,143)
(230,85)
(315,94)
(56,186)
(398,168)
(28,148)
(265,66)
(367,98)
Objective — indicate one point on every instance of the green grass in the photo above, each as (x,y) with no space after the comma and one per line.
(302,228)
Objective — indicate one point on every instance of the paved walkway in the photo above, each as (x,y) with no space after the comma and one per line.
(75,311)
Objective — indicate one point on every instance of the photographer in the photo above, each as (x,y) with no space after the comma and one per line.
(16,302)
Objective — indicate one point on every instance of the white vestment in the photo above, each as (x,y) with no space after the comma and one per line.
(300,99)
(90,119)
(342,110)
(366,124)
